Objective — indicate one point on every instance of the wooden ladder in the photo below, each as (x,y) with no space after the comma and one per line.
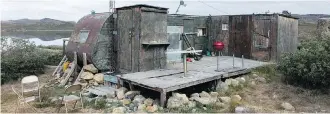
(73,68)
(59,67)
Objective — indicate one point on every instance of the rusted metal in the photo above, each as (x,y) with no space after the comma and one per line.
(92,23)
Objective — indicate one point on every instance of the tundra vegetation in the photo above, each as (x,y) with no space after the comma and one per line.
(20,58)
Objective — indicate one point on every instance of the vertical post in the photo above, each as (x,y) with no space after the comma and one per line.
(84,59)
(242,61)
(162,98)
(63,48)
(184,64)
(233,60)
(218,61)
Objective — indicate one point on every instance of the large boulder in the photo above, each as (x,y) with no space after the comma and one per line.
(131,94)
(126,101)
(177,100)
(287,106)
(191,104)
(241,79)
(99,78)
(222,86)
(204,94)
(91,68)
(120,93)
(138,99)
(87,76)
(214,94)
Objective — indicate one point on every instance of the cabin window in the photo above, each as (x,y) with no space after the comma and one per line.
(83,35)
(201,32)
(224,26)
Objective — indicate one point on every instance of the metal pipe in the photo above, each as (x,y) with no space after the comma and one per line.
(242,61)
(218,61)
(233,60)
(184,64)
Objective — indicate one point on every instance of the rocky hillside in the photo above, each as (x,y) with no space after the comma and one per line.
(32,24)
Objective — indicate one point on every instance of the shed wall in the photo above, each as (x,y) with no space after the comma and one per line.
(287,40)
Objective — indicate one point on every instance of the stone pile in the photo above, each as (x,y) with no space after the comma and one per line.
(90,76)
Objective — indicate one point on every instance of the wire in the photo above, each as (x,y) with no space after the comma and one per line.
(213,7)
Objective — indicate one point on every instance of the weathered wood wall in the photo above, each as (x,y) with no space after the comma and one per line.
(287,40)
(142,38)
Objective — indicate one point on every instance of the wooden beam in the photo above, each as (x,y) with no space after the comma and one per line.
(59,65)
(72,69)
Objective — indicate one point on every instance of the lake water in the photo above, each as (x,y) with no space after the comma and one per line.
(45,38)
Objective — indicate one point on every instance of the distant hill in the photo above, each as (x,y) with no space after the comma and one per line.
(310,18)
(32,24)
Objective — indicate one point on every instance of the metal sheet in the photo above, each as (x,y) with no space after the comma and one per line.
(173,36)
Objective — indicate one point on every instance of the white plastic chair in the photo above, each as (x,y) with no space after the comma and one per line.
(30,84)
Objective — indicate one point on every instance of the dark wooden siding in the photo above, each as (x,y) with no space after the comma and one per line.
(240,35)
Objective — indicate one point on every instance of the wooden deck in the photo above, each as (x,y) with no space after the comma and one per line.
(171,78)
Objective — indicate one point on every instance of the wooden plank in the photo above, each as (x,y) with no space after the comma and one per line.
(59,65)
(72,69)
(82,69)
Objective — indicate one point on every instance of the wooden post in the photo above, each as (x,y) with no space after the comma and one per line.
(162,99)
(84,59)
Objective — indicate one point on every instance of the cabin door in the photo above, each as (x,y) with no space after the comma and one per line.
(173,36)
(261,34)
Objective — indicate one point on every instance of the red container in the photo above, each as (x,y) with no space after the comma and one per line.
(218,46)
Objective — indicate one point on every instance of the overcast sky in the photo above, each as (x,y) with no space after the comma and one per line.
(73,10)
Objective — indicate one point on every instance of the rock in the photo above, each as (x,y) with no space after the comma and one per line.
(118,110)
(228,81)
(91,68)
(252,83)
(222,86)
(287,106)
(220,105)
(204,100)
(131,94)
(241,110)
(241,79)
(120,93)
(87,76)
(54,99)
(234,82)
(193,110)
(214,94)
(141,107)
(194,95)
(225,99)
(204,108)
(236,98)
(126,101)
(254,76)
(261,79)
(148,102)
(138,99)
(151,109)
(99,78)
(191,104)
(95,84)
(177,100)
(204,94)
